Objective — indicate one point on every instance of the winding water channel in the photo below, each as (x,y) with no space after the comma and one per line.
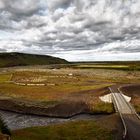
(18,121)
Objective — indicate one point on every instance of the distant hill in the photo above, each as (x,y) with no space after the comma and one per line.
(22,59)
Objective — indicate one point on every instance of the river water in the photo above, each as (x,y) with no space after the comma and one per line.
(17,121)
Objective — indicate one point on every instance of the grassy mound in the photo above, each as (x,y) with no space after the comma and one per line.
(21,59)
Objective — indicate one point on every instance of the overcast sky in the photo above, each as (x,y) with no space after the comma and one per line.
(76,30)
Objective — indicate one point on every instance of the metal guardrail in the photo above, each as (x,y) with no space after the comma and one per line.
(115,102)
(117,110)
(125,128)
(130,105)
(115,105)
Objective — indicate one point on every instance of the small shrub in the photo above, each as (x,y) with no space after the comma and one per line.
(4,128)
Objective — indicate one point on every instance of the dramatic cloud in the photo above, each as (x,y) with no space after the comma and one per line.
(72,29)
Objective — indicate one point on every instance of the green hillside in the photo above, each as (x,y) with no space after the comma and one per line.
(21,59)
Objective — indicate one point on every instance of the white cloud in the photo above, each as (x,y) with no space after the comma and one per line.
(92,56)
(71,26)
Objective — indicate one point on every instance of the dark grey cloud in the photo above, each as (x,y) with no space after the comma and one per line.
(54,4)
(2,50)
(19,8)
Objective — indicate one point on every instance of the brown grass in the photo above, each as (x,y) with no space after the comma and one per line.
(82,86)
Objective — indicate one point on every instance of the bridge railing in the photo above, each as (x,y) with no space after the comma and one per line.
(114,100)
(130,105)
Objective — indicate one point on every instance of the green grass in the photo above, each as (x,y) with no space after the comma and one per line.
(81,130)
(101,107)
(137,108)
(119,66)
(47,93)
(5,77)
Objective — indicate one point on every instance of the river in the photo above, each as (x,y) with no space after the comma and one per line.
(18,121)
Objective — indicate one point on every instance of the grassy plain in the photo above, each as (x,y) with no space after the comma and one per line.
(61,86)
(80,83)
(128,66)
(81,130)
(64,85)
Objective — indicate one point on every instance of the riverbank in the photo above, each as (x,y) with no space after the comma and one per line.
(63,109)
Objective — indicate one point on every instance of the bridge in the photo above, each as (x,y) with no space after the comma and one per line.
(129,117)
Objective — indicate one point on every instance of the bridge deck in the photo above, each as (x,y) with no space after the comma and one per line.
(128,115)
(122,105)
